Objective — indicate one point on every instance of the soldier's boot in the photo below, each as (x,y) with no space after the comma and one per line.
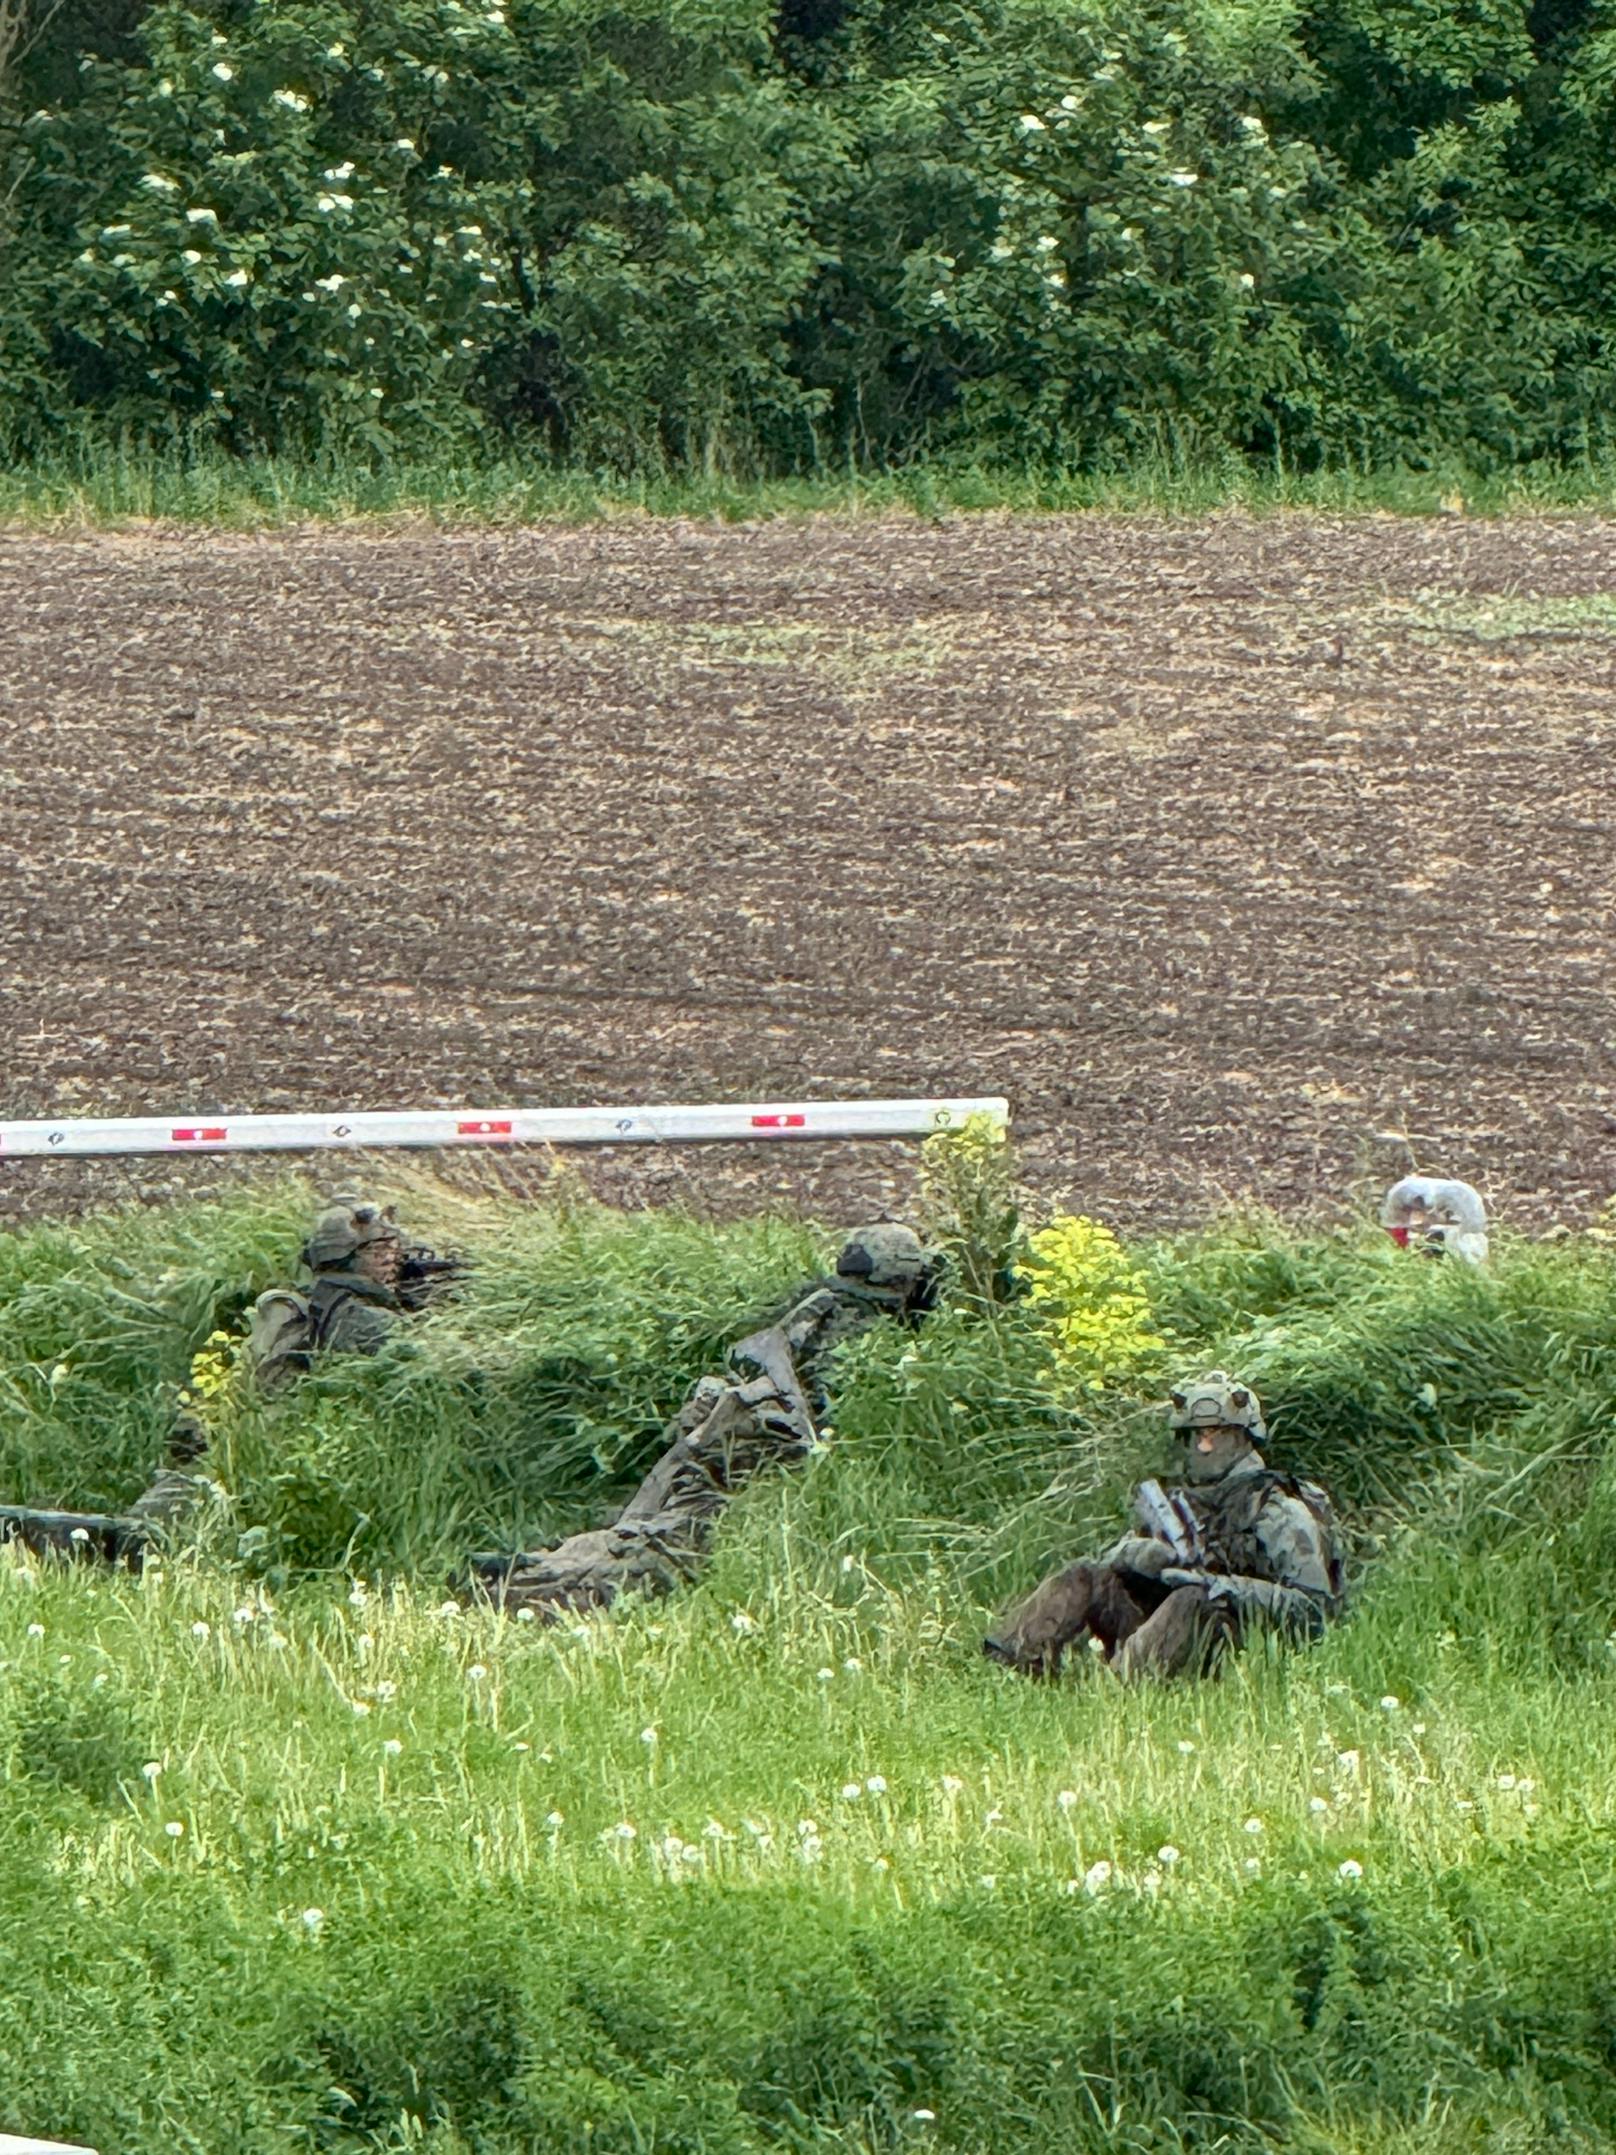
(117,1536)
(1184,1637)
(168,1499)
(1083,1601)
(589,1571)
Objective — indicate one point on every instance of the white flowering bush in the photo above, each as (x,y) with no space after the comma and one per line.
(330,226)
(741,234)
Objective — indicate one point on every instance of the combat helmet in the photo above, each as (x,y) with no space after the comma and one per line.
(1216,1400)
(343,1230)
(885,1254)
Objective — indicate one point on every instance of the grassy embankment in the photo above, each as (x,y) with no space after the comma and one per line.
(107,483)
(296,1854)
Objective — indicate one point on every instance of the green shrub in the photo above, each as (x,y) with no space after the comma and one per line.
(734,238)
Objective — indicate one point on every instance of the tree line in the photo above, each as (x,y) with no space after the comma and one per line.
(766,236)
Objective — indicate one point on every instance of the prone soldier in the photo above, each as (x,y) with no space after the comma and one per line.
(763,1411)
(365,1277)
(1235,1548)
(1434,1215)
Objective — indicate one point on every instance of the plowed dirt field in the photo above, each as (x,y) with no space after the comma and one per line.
(1218,846)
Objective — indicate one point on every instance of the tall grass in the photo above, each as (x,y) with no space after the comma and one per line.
(298,1853)
(112,482)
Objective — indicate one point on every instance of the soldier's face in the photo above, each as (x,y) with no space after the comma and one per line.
(380,1261)
(1209,1453)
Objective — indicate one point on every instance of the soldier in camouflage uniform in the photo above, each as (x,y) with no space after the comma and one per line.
(762,1412)
(365,1278)
(1436,1216)
(1237,1547)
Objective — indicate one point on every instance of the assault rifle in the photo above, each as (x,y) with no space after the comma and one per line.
(1166,1517)
(423,1275)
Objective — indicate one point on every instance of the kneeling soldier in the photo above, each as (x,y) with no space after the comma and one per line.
(1236,1547)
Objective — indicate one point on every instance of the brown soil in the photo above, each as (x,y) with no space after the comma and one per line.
(1218,846)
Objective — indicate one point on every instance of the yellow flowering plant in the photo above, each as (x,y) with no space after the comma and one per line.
(213,1366)
(1094,1303)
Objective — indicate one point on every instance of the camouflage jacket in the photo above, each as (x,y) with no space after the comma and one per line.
(1268,1545)
(351,1314)
(765,1408)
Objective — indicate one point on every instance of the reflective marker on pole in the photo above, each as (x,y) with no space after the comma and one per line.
(792,1121)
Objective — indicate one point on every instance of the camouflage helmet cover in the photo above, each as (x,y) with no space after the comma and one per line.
(1457,1204)
(1216,1401)
(343,1230)
(885,1253)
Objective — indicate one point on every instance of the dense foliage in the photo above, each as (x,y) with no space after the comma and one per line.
(782,1864)
(702,235)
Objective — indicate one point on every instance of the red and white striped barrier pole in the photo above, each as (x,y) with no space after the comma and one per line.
(351,1131)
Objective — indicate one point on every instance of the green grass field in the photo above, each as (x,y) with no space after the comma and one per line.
(298,1853)
(105,482)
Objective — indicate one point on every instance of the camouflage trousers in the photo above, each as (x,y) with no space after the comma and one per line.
(590,1570)
(727,1435)
(1138,1626)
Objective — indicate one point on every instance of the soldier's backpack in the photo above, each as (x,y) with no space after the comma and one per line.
(280,1340)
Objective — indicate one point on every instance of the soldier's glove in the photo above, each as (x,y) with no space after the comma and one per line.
(1144,1556)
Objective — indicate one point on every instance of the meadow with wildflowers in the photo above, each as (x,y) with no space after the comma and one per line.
(298,1851)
